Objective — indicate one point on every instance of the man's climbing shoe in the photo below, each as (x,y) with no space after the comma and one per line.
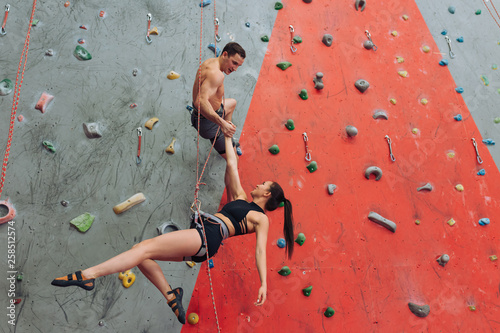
(176,304)
(75,279)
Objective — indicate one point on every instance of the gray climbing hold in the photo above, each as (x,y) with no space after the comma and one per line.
(331,188)
(6,87)
(368,45)
(135,71)
(362,85)
(167,227)
(380,114)
(419,310)
(426,187)
(374,217)
(327,39)
(360,4)
(49,53)
(351,131)
(443,260)
(318,81)
(92,130)
(307,1)
(375,171)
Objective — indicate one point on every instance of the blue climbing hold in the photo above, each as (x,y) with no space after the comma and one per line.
(211,46)
(481,172)
(484,221)
(443,62)
(205,3)
(210,263)
(452,9)
(238,149)
(189,107)
(459,90)
(444,32)
(460,39)
(489,142)
(247,24)
(281,243)
(458,117)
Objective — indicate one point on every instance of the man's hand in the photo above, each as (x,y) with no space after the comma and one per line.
(228,128)
(262,295)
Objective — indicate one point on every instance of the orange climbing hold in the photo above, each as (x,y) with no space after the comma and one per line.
(43,102)
(66,4)
(193,318)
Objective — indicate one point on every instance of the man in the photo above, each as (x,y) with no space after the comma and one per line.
(208,96)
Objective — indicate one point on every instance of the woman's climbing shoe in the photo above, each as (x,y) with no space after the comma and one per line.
(75,279)
(176,304)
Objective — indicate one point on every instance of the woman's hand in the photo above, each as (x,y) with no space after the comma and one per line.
(262,296)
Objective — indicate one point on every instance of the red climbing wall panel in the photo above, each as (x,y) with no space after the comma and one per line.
(365,272)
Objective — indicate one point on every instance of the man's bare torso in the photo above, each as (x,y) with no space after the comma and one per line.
(209,69)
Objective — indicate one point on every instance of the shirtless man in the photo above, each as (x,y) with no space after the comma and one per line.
(216,111)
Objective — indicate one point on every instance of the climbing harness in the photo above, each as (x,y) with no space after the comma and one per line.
(148,39)
(479,159)
(489,10)
(7,9)
(448,40)
(308,154)
(389,142)
(17,93)
(369,36)
(139,136)
(293,48)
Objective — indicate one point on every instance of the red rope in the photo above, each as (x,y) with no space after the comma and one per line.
(493,16)
(15,101)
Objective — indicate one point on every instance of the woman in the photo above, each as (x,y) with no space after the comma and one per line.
(238,217)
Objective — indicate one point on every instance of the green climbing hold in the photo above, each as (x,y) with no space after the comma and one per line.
(297,40)
(274,149)
(303,94)
(497,120)
(83,222)
(49,146)
(301,238)
(329,312)
(278,5)
(6,87)
(494,66)
(284,271)
(307,291)
(265,38)
(282,204)
(290,124)
(81,53)
(313,166)
(485,80)
(19,277)
(478,12)
(284,65)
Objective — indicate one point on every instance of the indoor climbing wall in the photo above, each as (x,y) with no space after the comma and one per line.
(398,208)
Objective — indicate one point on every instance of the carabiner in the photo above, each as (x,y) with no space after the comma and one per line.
(448,40)
(293,48)
(308,154)
(369,36)
(479,159)
(139,135)
(217,37)
(389,142)
(2,31)
(148,39)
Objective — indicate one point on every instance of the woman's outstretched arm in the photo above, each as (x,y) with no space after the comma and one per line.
(261,231)
(232,178)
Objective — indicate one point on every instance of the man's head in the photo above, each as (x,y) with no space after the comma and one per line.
(232,57)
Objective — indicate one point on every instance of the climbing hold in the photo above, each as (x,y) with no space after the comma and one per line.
(494,67)
(375,171)
(11,212)
(443,62)
(374,217)
(400,60)
(6,87)
(329,312)
(66,4)
(496,120)
(493,257)
(297,40)
(426,49)
(451,222)
(281,243)
(170,148)
(417,222)
(167,227)
(19,277)
(284,65)
(393,101)
(135,71)
(405,17)
(327,39)
(43,101)
(278,5)
(351,131)
(81,53)
(485,80)
(190,263)
(403,73)
(451,154)
(150,123)
(489,142)
(481,172)
(238,149)
(282,204)
(460,39)
(290,124)
(303,94)
(83,222)
(307,1)
(64,203)
(331,188)
(92,130)
(419,310)
(424,101)
(426,187)
(284,271)
(102,13)
(394,33)
(81,41)
(49,146)
(212,48)
(301,238)
(360,4)
(452,9)
(443,260)
(484,221)
(127,277)
(368,45)
(205,3)
(35,22)
(247,24)
(193,318)
(380,114)
(133,105)
(313,166)
(274,149)
(444,32)
(361,85)
(49,53)
(472,307)
(458,117)
(154,31)
(265,38)
(318,81)
(307,291)
(459,90)
(414,130)
(129,203)
(20,118)
(83,27)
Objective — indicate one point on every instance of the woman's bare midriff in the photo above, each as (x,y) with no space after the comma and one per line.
(230,226)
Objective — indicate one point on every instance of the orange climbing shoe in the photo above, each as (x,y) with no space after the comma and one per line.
(176,304)
(75,279)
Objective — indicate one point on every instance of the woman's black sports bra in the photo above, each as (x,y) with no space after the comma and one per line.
(236,211)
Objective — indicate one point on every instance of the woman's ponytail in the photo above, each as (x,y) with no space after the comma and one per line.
(288,228)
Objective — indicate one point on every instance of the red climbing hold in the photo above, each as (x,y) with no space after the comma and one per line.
(43,102)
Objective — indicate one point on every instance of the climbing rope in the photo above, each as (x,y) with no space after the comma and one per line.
(15,101)
(493,16)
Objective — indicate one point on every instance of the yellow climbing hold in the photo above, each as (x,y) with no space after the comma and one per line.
(405,17)
(403,73)
(417,222)
(414,130)
(472,307)
(424,101)
(426,49)
(393,101)
(127,277)
(493,258)
(451,154)
(190,263)
(193,318)
(451,222)
(170,149)
(394,33)
(150,123)
(173,75)
(460,188)
(154,31)
(400,60)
